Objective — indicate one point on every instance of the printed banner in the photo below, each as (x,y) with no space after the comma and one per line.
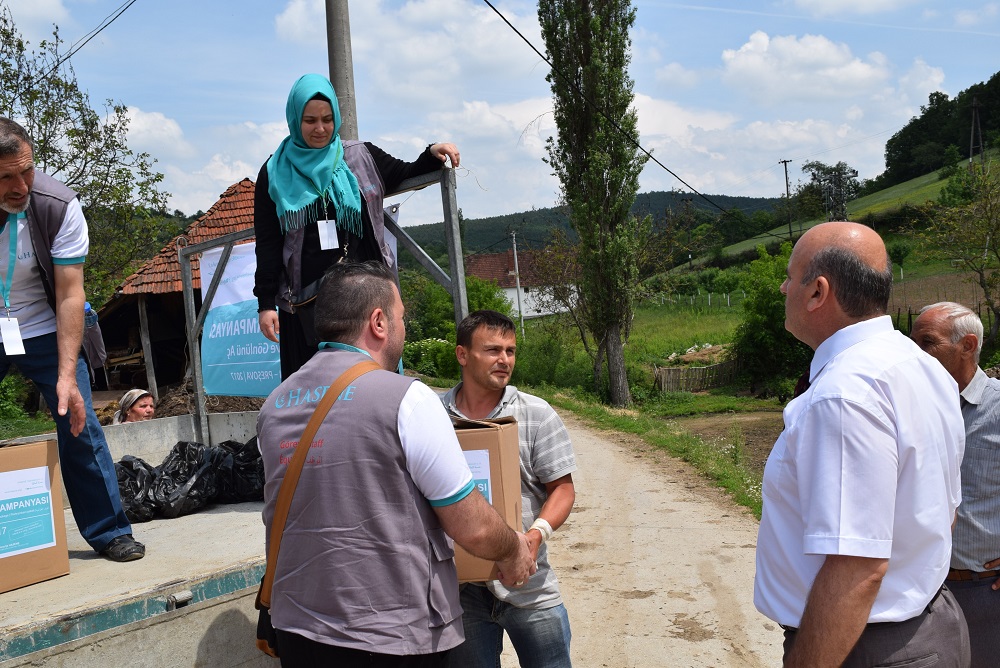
(236,359)
(26,521)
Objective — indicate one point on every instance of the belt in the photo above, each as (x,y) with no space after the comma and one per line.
(962,574)
(793,629)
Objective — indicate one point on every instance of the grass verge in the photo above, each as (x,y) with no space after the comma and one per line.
(27,426)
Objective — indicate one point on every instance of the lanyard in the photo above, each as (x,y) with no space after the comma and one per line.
(12,219)
(342,346)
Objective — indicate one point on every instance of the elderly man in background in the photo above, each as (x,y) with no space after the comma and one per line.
(953,334)
(861,488)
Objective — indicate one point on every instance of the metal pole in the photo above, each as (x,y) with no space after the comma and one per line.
(453,237)
(788,198)
(338,37)
(517,283)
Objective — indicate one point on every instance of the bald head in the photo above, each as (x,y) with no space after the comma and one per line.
(853,259)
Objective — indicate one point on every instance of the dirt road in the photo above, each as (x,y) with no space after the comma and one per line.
(655,565)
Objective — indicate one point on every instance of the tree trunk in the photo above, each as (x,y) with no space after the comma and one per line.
(599,364)
(620,394)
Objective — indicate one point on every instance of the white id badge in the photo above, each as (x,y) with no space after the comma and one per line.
(11,334)
(328,234)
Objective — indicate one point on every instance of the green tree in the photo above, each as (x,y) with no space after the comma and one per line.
(88,151)
(898,252)
(770,357)
(598,165)
(970,235)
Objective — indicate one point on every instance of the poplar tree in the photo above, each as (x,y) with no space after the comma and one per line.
(596,158)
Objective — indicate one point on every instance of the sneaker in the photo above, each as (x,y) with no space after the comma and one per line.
(124,548)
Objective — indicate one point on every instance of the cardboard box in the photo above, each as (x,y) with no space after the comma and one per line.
(32,524)
(492,450)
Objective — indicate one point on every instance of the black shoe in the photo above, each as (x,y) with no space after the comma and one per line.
(124,548)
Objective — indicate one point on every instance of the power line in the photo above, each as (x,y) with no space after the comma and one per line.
(82,42)
(596,108)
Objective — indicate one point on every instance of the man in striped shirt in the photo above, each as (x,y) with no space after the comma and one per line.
(953,335)
(533,616)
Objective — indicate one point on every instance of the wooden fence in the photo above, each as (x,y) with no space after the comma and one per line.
(695,378)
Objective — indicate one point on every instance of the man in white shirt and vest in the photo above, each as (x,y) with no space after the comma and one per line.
(366,575)
(953,335)
(43,247)
(860,489)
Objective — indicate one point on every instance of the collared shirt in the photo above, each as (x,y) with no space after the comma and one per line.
(976,538)
(867,466)
(28,302)
(546,455)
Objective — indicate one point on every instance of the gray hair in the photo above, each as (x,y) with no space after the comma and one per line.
(861,290)
(963,321)
(13,138)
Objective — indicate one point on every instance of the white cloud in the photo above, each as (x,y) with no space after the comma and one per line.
(778,69)
(844,7)
(35,18)
(158,135)
(675,74)
(972,18)
(920,81)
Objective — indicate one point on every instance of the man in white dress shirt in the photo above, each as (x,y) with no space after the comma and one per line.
(861,487)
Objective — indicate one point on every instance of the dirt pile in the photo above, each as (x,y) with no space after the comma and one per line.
(179,400)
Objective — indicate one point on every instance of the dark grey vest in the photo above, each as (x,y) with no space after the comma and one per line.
(364,562)
(372,191)
(46,211)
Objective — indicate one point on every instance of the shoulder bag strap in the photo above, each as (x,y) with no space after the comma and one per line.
(291,478)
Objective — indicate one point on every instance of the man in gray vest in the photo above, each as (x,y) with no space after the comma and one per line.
(43,247)
(365,574)
(534,617)
(953,334)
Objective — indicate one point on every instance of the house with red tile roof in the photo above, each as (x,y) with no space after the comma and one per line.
(499,267)
(157,290)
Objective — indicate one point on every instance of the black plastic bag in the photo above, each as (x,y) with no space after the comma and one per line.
(186,481)
(239,472)
(135,484)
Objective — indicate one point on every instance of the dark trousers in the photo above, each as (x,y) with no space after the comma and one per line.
(293,346)
(87,468)
(299,652)
(981,607)
(936,637)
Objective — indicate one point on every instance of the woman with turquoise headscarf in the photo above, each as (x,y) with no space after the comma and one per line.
(318,201)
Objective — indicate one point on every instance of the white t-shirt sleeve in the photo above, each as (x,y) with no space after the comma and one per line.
(848,470)
(433,457)
(71,243)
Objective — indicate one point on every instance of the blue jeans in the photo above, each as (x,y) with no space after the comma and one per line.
(88,471)
(540,637)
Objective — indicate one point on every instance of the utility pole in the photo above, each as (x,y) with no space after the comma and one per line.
(517,282)
(687,219)
(788,198)
(976,130)
(338,39)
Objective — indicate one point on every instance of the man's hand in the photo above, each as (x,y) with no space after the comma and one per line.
(70,399)
(516,570)
(992,566)
(268,320)
(449,151)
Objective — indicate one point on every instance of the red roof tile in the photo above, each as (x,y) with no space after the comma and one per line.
(499,267)
(162,274)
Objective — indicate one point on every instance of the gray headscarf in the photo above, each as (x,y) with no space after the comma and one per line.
(126,403)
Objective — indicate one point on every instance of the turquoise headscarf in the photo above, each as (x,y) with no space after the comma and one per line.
(302,180)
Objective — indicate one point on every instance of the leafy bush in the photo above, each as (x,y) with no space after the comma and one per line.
(431,357)
(552,355)
(14,392)
(767,352)
(429,310)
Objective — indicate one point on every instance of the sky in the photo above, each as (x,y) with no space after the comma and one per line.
(724,90)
